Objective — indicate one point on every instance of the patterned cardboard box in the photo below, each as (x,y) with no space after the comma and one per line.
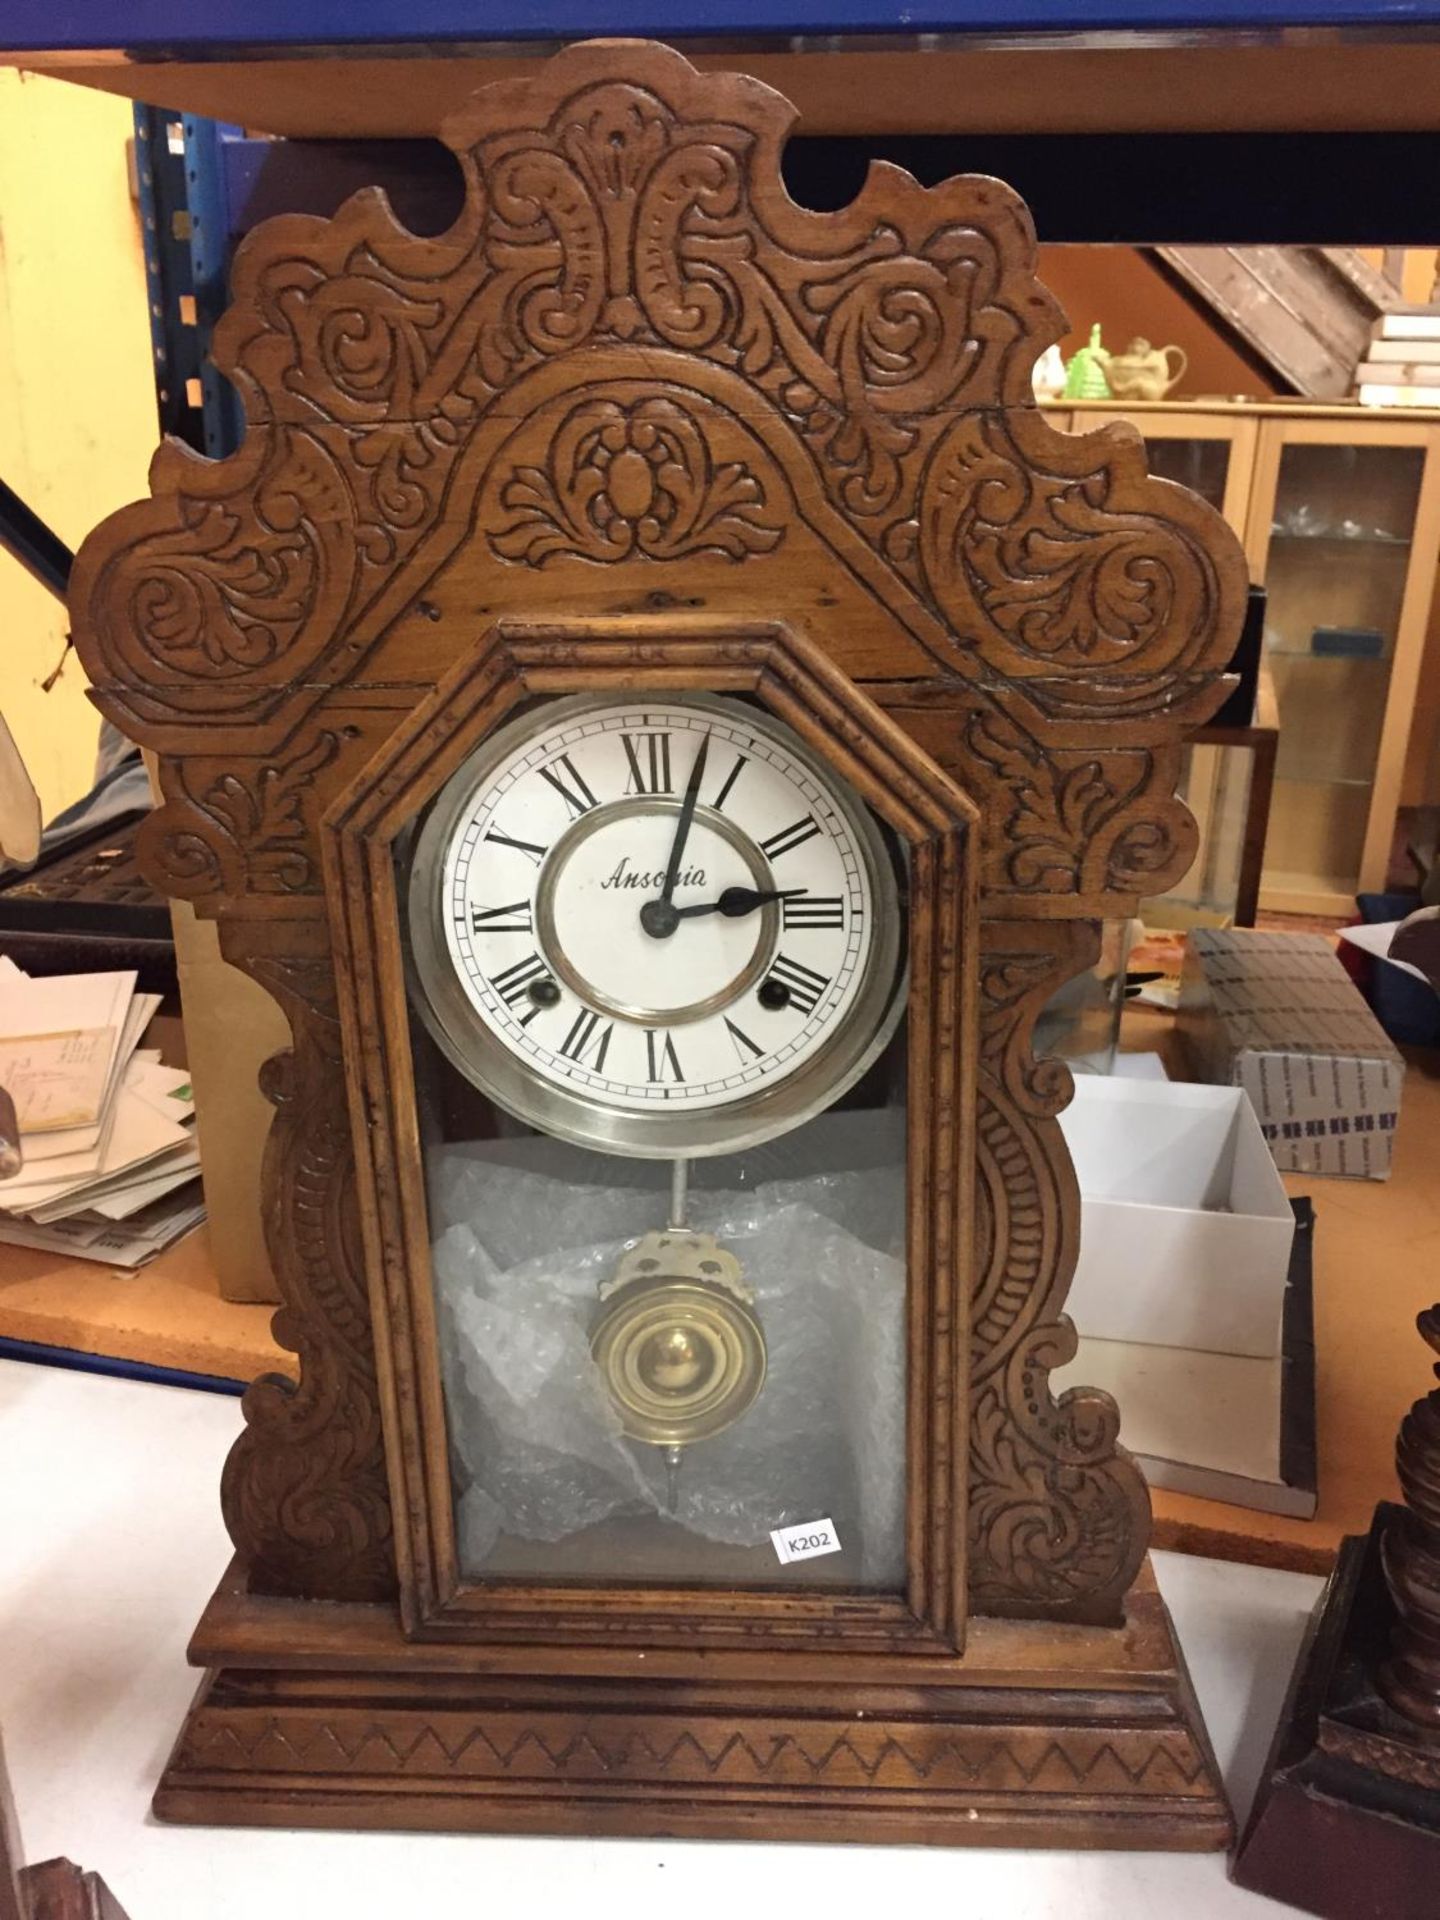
(1276,1014)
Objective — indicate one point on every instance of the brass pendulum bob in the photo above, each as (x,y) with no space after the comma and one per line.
(677,1342)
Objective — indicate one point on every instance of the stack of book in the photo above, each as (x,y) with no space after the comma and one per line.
(1402,364)
(109,1162)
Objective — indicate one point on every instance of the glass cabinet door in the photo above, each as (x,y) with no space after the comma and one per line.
(1201,465)
(1215,783)
(1346,558)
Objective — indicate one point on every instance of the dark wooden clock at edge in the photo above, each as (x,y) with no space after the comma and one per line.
(997,633)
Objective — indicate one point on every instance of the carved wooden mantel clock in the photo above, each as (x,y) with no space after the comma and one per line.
(661,710)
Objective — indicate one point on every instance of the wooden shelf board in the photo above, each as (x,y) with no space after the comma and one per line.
(166,1315)
(860,87)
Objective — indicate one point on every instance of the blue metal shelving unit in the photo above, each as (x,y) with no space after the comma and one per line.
(171,26)
(180,169)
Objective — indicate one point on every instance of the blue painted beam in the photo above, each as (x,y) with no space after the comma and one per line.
(156,27)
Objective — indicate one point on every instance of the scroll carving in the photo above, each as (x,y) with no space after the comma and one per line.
(304,1490)
(1061,557)
(1068,825)
(1059,808)
(238,573)
(246,832)
(1059,1514)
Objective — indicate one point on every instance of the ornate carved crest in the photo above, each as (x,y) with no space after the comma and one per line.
(622,227)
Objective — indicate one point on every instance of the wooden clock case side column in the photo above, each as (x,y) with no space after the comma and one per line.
(826,430)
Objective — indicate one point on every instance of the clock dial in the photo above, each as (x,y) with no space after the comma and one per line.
(662,926)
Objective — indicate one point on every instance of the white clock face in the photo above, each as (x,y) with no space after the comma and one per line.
(657,925)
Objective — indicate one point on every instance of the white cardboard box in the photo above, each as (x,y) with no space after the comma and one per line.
(1212,1424)
(1190,1308)
(1185,1229)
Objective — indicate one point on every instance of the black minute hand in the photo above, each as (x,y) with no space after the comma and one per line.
(659,917)
(737,901)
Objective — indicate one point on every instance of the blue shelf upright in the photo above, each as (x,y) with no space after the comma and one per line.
(179,169)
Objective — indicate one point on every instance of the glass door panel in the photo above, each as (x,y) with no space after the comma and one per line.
(1337,567)
(535,1243)
(1213,456)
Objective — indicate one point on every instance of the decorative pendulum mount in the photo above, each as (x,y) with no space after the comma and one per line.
(677,1342)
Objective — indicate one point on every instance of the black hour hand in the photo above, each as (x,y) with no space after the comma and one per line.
(735,902)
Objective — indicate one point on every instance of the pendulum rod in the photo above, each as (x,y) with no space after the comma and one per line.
(679,1194)
(679,1207)
(672,1457)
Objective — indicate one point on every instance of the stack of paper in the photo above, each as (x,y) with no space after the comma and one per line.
(111,1165)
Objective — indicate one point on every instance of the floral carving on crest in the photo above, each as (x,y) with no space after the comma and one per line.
(633,228)
(624,480)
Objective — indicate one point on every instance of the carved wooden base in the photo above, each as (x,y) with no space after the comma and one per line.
(1043,1735)
(1347,1818)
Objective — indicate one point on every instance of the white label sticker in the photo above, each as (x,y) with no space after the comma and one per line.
(805,1542)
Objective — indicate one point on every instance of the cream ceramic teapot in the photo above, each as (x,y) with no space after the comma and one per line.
(1143,372)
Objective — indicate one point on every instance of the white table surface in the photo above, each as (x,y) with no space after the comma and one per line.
(112,1544)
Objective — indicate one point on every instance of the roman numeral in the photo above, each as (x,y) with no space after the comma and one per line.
(512,919)
(527,847)
(662,1061)
(653,775)
(583,1038)
(813,910)
(513,985)
(742,1043)
(805,984)
(788,838)
(734,774)
(578,799)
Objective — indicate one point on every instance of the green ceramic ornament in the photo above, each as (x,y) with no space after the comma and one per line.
(1085,375)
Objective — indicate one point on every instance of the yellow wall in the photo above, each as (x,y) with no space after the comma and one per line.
(77,397)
